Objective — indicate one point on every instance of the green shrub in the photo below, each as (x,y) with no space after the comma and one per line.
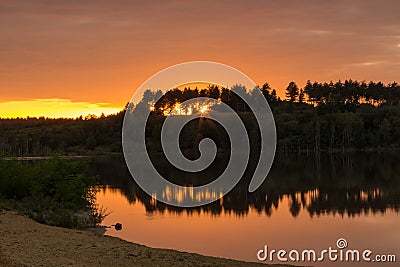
(56,192)
(14,182)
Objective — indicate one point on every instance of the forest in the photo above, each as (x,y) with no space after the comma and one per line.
(334,116)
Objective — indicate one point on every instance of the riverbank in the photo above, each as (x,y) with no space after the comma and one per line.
(24,242)
(302,152)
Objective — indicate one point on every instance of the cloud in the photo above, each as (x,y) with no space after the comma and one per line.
(320,32)
(368,63)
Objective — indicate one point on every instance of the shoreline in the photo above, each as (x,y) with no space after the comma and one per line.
(24,242)
(278,152)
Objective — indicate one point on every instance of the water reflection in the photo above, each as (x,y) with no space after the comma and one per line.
(343,184)
(306,202)
(179,195)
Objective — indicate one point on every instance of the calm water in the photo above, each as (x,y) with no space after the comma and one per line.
(307,202)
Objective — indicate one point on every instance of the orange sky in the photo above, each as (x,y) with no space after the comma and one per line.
(97,53)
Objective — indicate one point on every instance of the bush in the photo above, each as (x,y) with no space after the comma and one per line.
(56,192)
(14,183)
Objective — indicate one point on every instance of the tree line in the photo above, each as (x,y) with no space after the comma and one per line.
(320,116)
(340,96)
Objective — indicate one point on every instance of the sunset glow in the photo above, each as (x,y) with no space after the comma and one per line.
(54,108)
(203,109)
(188,109)
(200,133)
(88,52)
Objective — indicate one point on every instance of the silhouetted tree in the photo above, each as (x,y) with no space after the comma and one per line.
(301,96)
(292,92)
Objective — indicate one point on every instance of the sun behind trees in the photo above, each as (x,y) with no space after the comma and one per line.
(320,116)
(339,96)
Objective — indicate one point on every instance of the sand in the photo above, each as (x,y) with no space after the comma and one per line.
(24,242)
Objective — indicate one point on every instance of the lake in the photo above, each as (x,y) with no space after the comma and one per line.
(307,202)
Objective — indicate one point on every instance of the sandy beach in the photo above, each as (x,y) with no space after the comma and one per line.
(24,242)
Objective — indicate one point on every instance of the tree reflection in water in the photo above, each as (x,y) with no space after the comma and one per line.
(339,184)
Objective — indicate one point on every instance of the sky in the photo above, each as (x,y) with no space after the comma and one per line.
(69,57)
